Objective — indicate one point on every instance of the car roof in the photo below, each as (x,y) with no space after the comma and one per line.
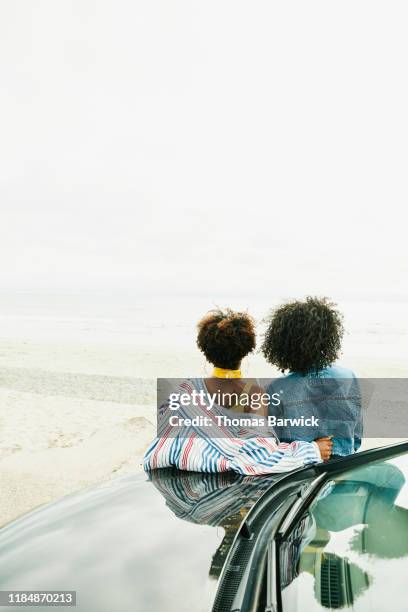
(141,542)
(137,542)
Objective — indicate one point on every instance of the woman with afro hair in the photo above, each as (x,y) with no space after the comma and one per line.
(303,339)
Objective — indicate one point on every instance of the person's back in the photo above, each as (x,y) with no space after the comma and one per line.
(317,398)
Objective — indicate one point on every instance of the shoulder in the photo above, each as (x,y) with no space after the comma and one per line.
(185,385)
(336,371)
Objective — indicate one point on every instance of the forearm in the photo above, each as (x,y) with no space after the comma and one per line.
(268,456)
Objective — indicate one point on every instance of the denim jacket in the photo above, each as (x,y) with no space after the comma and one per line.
(332,396)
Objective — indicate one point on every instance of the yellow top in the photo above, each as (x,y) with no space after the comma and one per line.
(223,373)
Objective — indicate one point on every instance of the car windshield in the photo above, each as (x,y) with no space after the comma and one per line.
(349,550)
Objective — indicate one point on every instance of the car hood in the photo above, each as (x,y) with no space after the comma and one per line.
(135,543)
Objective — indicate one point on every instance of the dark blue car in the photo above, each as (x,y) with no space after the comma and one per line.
(327,537)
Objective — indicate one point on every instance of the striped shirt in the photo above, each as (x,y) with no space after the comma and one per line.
(229,448)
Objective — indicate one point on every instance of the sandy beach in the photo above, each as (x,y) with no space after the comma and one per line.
(61,431)
(78,392)
(52,446)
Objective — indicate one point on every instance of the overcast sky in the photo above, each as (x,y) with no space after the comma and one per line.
(214,147)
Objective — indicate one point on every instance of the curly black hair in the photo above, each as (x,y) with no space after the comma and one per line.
(304,336)
(226,337)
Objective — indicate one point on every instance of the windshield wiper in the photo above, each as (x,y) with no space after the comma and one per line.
(273,582)
(305,494)
(272,579)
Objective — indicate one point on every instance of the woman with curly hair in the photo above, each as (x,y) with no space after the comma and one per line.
(197,427)
(304,339)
